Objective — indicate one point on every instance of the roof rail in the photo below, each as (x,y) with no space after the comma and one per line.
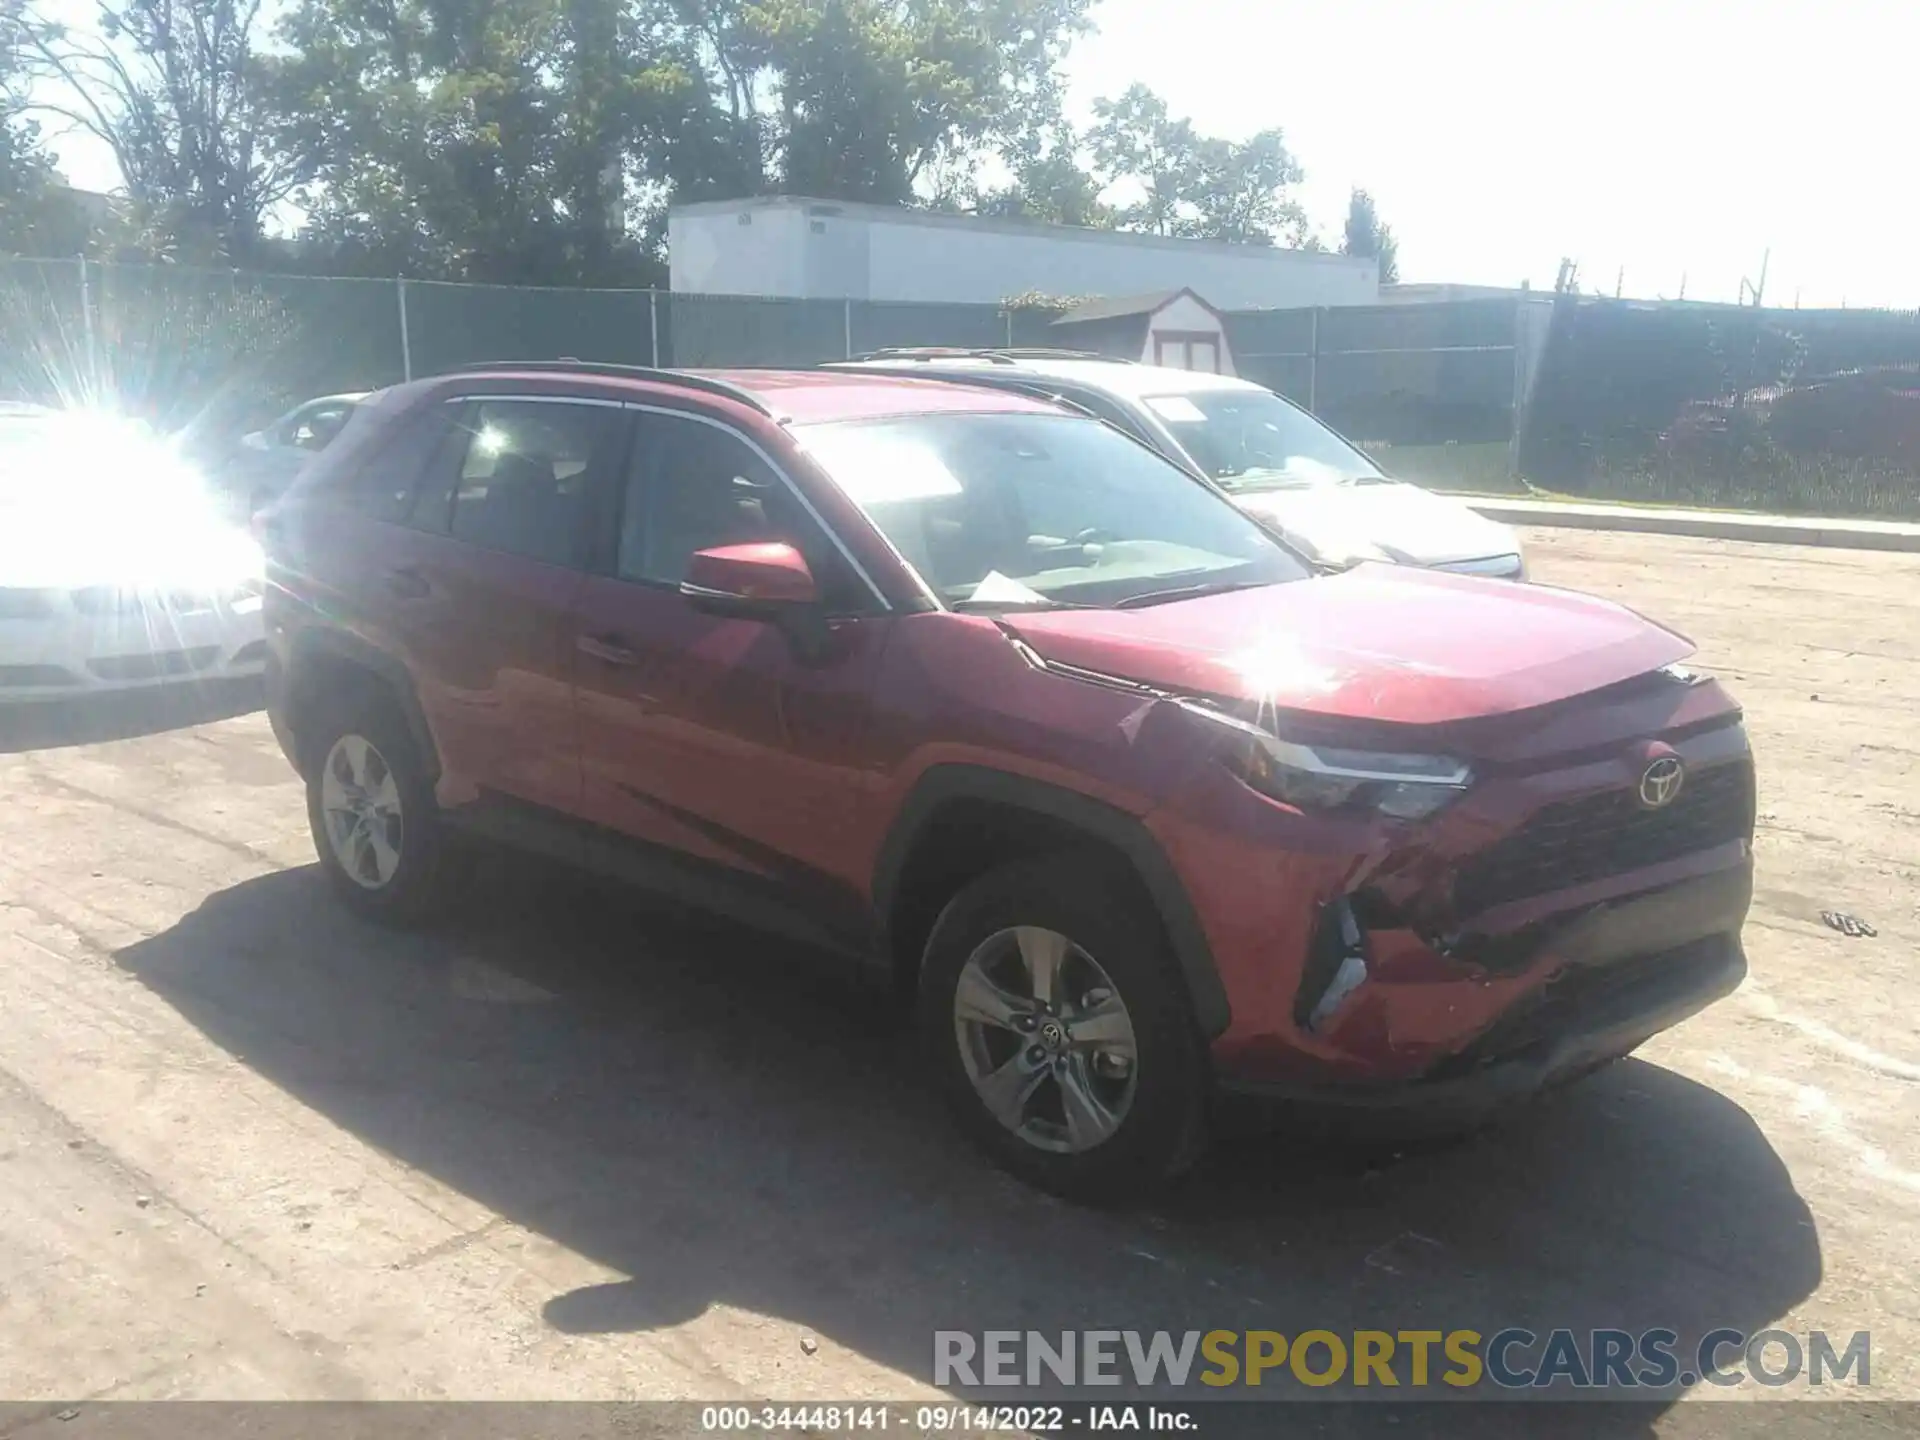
(682,378)
(997,354)
(933,352)
(1042,352)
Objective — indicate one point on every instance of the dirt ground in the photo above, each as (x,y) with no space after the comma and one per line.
(576,1146)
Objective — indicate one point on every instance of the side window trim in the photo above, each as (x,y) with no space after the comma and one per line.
(503,399)
(774,467)
(439,477)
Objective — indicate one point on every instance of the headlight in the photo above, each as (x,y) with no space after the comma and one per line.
(1346,552)
(1499,567)
(1318,777)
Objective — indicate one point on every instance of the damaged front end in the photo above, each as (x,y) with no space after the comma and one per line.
(1471,925)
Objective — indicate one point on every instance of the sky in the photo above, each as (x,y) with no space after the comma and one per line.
(1653,143)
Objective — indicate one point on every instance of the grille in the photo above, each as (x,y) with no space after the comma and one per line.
(104,600)
(18,604)
(1579,841)
(155,665)
(24,677)
(1589,998)
(110,600)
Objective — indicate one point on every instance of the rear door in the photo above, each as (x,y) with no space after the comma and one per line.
(717,740)
(486,587)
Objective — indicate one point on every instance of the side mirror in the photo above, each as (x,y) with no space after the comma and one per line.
(761,581)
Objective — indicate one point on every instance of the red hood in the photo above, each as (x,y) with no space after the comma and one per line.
(1380,642)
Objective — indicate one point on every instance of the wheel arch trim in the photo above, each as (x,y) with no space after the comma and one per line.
(392,675)
(943,784)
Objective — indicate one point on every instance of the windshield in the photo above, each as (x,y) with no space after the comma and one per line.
(1008,510)
(1254,440)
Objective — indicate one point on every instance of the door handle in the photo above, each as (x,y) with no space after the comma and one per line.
(608,649)
(408,583)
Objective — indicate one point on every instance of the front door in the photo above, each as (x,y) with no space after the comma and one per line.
(721,746)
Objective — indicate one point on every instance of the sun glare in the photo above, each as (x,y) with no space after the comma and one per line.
(109,502)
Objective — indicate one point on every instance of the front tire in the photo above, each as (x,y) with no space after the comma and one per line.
(1059,1030)
(370,804)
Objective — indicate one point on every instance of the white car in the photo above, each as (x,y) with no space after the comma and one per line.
(265,463)
(117,569)
(1278,462)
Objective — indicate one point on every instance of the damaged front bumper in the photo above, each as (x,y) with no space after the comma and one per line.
(1606,980)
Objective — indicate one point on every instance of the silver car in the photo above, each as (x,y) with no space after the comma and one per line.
(1276,461)
(117,570)
(267,461)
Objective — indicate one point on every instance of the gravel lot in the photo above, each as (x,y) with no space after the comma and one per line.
(579,1147)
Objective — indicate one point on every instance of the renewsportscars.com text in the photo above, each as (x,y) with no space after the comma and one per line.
(1508,1359)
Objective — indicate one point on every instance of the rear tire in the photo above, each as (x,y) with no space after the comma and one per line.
(1091,1083)
(371,807)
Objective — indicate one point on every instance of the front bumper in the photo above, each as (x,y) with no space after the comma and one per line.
(1622,974)
(1700,974)
(70,650)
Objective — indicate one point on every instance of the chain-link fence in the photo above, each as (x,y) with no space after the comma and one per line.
(1814,411)
(1785,410)
(166,340)
(1434,391)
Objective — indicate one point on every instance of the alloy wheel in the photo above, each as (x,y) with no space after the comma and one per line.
(1046,1039)
(360,805)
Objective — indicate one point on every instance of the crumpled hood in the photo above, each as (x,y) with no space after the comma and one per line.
(1408,524)
(1378,642)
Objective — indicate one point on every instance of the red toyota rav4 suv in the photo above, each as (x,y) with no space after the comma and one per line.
(995,699)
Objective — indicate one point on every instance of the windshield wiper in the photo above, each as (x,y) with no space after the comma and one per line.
(1042,603)
(1187,592)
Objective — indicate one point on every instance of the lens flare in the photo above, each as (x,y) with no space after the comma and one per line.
(91,498)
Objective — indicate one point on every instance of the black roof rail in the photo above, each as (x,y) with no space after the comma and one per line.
(684,379)
(1042,352)
(932,352)
(998,354)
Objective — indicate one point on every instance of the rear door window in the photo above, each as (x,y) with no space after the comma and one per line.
(523,474)
(379,478)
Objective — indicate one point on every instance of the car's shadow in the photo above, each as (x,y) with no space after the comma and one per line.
(124,714)
(719,1120)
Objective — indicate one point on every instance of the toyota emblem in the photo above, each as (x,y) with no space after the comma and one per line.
(1660,782)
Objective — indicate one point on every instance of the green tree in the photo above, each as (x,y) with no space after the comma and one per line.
(1369,237)
(38,215)
(1239,192)
(538,140)
(1050,185)
(483,139)
(875,97)
(1136,142)
(1190,184)
(171,88)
